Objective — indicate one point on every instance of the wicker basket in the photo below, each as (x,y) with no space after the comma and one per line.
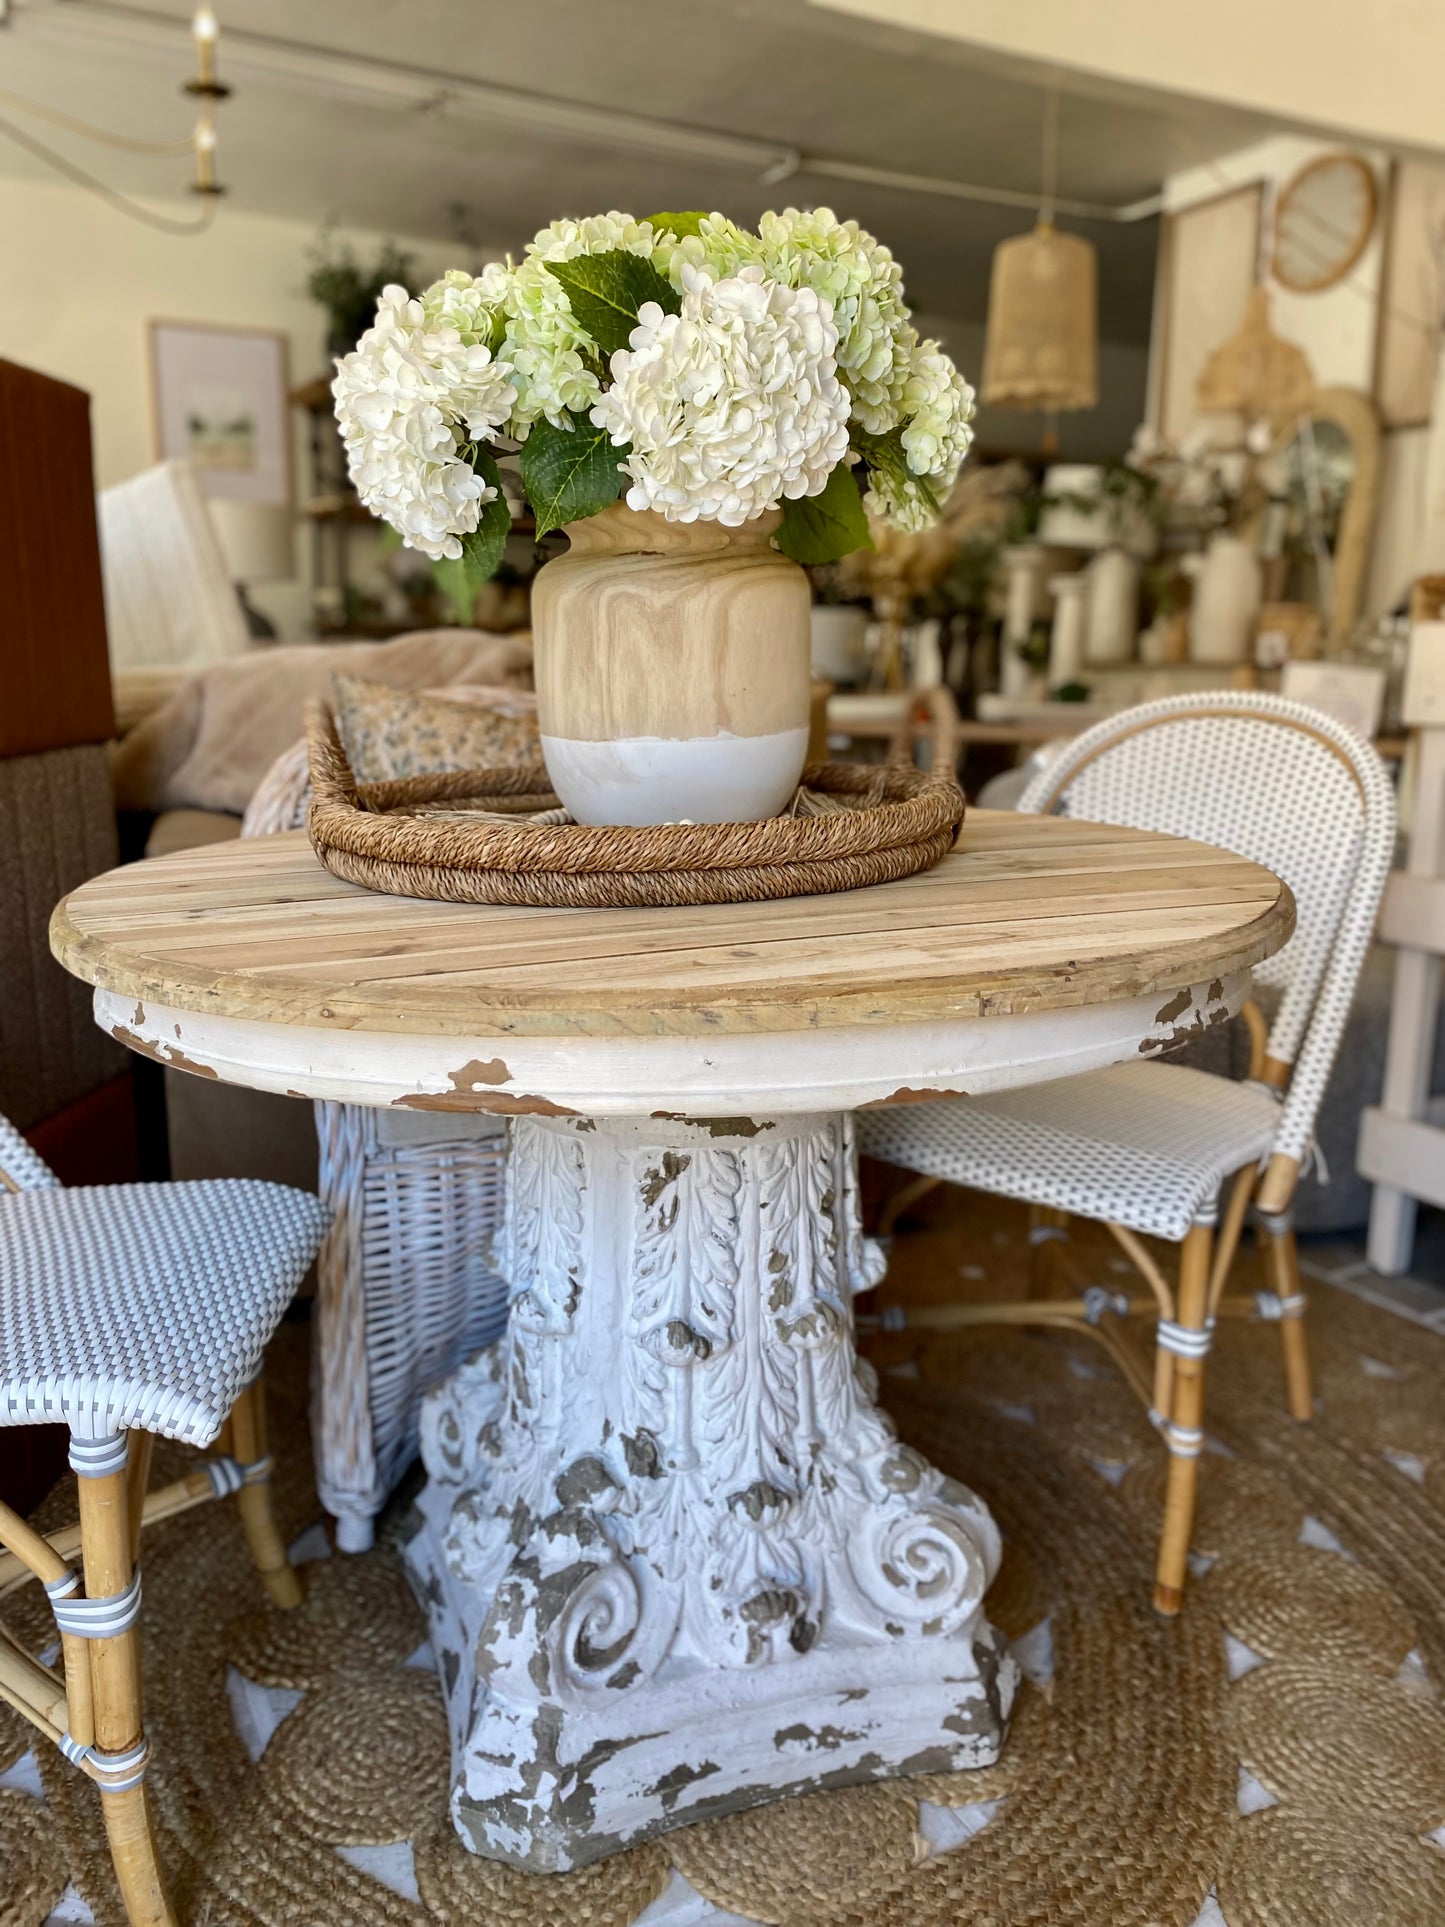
(439,836)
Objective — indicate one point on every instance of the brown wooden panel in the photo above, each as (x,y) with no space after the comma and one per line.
(54,668)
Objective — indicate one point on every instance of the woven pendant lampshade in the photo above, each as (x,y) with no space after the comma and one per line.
(1257,373)
(1042,346)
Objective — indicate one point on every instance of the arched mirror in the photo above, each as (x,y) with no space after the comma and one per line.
(1324,482)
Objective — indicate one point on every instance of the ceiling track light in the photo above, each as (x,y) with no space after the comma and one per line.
(332,74)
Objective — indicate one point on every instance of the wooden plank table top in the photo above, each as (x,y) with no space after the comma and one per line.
(1028,914)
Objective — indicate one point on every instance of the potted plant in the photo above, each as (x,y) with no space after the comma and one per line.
(348,291)
(1217,493)
(696,404)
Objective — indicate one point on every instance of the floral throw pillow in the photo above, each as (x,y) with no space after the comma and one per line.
(389,732)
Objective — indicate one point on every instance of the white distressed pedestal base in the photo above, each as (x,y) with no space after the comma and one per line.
(675,1559)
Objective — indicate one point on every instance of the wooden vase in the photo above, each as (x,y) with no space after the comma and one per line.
(672,670)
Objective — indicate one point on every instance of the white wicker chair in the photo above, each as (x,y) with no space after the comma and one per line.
(406,1290)
(126,1311)
(1146,1147)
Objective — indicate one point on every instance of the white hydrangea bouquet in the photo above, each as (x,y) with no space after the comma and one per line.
(711,372)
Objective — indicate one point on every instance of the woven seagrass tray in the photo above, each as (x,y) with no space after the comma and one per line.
(448,836)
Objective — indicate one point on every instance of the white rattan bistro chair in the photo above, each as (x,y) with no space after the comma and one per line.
(1149,1147)
(128,1311)
(406,1290)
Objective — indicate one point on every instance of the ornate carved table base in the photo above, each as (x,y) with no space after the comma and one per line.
(675,1560)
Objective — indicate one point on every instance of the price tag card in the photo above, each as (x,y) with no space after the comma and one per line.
(1350,692)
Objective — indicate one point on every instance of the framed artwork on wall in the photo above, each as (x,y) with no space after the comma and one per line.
(221,402)
(1208,258)
(1412,294)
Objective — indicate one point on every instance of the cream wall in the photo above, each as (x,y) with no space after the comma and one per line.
(1370,71)
(80,284)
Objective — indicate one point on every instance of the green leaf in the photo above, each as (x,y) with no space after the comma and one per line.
(821,528)
(605,292)
(885,453)
(482,549)
(678,224)
(570,474)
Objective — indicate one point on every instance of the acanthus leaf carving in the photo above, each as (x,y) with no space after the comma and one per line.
(543,1242)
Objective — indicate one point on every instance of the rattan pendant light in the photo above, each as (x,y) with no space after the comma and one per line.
(1257,373)
(1042,346)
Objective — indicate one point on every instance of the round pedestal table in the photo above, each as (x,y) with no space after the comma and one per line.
(675,1560)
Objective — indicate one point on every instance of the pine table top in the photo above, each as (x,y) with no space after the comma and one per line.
(1028,914)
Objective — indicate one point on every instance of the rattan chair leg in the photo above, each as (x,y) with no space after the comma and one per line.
(138,1476)
(1184,1430)
(115,1675)
(1226,1245)
(906,1195)
(1048,1229)
(1281,1268)
(248,1434)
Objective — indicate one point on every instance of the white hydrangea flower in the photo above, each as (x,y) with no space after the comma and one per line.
(937,405)
(859,276)
(732,405)
(543,342)
(721,246)
(899,500)
(402,396)
(470,303)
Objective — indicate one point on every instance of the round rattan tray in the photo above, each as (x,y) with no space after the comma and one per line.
(438,836)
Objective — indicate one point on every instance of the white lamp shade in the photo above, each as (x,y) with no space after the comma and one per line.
(256,538)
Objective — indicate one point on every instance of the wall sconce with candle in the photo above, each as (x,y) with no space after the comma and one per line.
(206,31)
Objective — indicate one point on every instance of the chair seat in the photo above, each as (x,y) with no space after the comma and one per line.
(1143,1145)
(145,1305)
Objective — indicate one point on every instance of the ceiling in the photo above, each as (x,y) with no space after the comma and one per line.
(317,135)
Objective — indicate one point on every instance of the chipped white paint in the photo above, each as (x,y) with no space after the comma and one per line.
(777,1074)
(675,1558)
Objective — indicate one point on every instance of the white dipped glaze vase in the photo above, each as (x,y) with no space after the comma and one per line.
(672,670)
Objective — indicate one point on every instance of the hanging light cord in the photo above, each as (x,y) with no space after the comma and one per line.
(162,222)
(126,142)
(1049,170)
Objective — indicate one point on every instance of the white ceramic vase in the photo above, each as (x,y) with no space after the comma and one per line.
(839,640)
(1024,564)
(1227,593)
(672,670)
(1112,625)
(1066,639)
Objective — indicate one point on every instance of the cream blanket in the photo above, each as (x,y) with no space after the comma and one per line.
(209,746)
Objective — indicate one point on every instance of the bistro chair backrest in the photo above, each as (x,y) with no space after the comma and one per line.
(1283,785)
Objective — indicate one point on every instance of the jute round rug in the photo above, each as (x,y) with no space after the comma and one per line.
(1118,1802)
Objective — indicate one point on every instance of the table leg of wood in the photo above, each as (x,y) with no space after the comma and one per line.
(675,1559)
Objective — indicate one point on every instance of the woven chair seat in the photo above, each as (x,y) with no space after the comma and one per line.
(145,1305)
(1142,1145)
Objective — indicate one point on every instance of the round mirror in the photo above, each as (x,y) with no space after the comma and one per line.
(1322,222)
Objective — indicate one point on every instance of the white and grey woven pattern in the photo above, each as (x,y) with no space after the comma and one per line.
(283,795)
(21,1167)
(406,1288)
(1143,1145)
(145,1305)
(1284,785)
